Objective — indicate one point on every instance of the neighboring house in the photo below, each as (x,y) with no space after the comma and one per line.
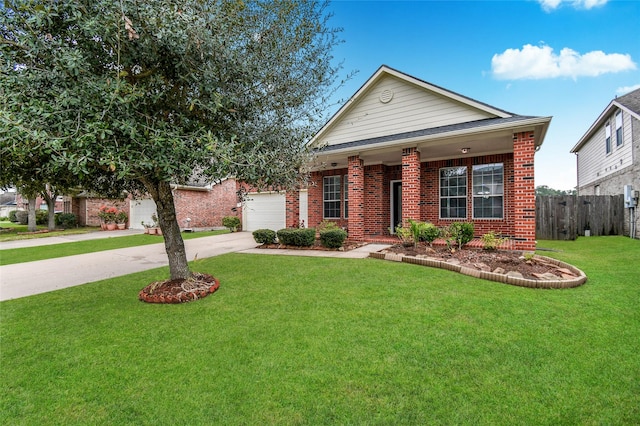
(402,148)
(608,155)
(198,206)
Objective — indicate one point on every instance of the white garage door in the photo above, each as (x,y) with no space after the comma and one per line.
(264,211)
(141,211)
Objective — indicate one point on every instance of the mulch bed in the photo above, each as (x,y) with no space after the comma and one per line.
(487,260)
(180,291)
(348,245)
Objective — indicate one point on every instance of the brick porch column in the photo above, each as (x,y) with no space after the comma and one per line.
(292,207)
(524,191)
(410,184)
(356,198)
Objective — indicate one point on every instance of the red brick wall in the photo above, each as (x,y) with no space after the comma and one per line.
(86,209)
(376,220)
(315,197)
(411,184)
(377,199)
(356,198)
(207,208)
(292,208)
(524,191)
(430,197)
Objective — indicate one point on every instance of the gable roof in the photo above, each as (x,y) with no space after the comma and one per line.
(630,103)
(436,113)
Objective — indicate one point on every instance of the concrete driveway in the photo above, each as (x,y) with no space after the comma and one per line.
(26,279)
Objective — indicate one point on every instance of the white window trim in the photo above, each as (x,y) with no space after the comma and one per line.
(324,200)
(466,196)
(473,195)
(345,198)
(607,138)
(619,129)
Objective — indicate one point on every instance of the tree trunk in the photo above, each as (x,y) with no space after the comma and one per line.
(173,243)
(50,198)
(31,218)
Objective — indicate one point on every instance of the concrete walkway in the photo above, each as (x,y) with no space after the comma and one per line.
(26,279)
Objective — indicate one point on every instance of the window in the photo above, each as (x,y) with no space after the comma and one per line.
(453,193)
(619,128)
(488,191)
(346,197)
(607,131)
(331,197)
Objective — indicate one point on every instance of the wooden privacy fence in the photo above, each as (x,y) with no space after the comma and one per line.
(564,217)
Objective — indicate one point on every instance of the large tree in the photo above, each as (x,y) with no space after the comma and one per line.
(131,95)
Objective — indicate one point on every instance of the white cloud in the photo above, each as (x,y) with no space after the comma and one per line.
(540,62)
(627,89)
(550,5)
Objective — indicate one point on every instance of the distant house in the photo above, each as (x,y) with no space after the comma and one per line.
(402,148)
(608,155)
(198,206)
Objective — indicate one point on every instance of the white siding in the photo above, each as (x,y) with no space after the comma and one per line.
(593,161)
(412,108)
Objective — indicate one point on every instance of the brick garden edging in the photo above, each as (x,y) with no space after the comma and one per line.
(580,279)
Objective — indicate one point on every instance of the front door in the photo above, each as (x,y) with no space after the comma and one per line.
(396,205)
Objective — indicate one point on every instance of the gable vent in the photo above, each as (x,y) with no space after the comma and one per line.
(386,96)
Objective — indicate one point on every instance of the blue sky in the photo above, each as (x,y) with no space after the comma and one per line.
(566,59)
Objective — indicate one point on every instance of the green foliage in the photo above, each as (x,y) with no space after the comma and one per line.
(21,217)
(327,225)
(264,236)
(405,235)
(333,238)
(423,231)
(300,237)
(139,95)
(12,216)
(461,233)
(545,190)
(66,220)
(231,222)
(490,241)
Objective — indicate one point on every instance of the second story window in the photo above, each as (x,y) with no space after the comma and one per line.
(607,141)
(619,128)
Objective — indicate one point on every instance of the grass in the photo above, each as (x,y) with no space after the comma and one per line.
(297,341)
(13,231)
(29,254)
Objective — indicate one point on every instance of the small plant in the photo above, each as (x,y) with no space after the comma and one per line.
(108,214)
(231,222)
(405,235)
(490,241)
(264,236)
(300,237)
(333,238)
(461,233)
(327,225)
(121,217)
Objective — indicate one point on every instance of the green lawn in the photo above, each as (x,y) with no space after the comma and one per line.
(12,231)
(29,254)
(311,341)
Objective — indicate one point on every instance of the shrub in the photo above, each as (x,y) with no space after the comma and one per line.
(429,233)
(12,216)
(405,235)
(461,232)
(264,236)
(66,220)
(22,217)
(301,237)
(490,241)
(333,238)
(231,222)
(327,225)
(42,217)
